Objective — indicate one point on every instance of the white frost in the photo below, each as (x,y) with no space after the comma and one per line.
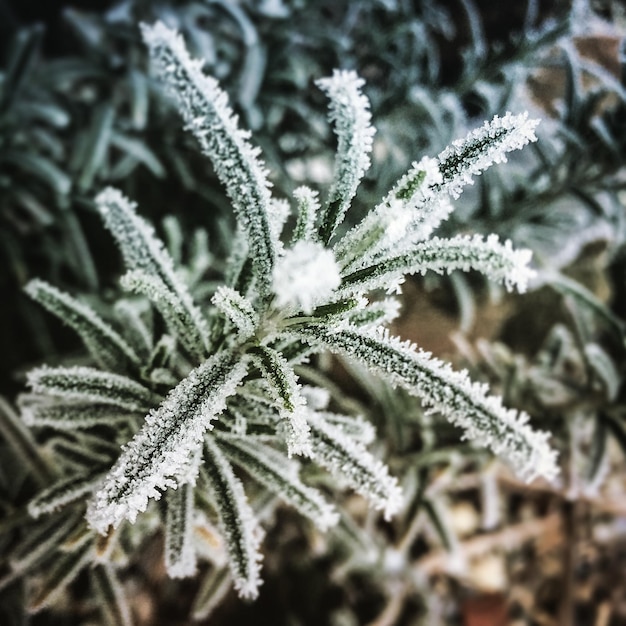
(305,276)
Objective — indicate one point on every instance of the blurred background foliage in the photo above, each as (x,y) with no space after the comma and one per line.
(78,110)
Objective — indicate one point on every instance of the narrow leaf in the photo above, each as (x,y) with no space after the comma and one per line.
(453,394)
(213,589)
(350,114)
(22,443)
(237,521)
(204,107)
(286,391)
(104,344)
(112,602)
(348,460)
(180,555)
(144,252)
(171,434)
(273,471)
(63,571)
(85,384)
(497,261)
(63,492)
(238,310)
(185,323)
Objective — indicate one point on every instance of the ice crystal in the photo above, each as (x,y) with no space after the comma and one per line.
(306,275)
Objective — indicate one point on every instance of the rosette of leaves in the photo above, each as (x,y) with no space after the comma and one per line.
(179,394)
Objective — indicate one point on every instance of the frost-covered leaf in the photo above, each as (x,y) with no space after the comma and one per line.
(85,384)
(483,147)
(419,202)
(172,433)
(204,107)
(105,344)
(407,214)
(180,554)
(497,261)
(137,323)
(38,411)
(237,309)
(348,460)
(189,330)
(350,114)
(284,387)
(308,207)
(237,521)
(465,403)
(353,426)
(63,492)
(273,471)
(145,255)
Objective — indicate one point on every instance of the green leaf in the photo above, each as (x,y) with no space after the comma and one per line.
(111,600)
(22,444)
(180,557)
(213,588)
(105,345)
(284,388)
(63,492)
(204,107)
(85,384)
(274,471)
(451,393)
(64,570)
(40,167)
(96,145)
(160,453)
(237,521)
(22,53)
(350,462)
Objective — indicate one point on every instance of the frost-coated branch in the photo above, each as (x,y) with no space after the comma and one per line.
(283,298)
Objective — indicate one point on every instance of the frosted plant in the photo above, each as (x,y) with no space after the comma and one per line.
(169,410)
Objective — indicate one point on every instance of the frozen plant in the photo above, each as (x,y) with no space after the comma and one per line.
(167,408)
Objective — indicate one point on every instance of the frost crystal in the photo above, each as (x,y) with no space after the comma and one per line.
(305,276)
